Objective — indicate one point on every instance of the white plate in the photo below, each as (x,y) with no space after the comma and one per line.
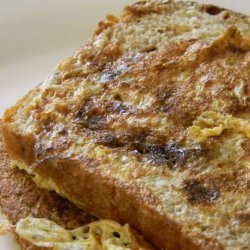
(37,34)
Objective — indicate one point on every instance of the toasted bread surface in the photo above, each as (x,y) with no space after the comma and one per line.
(149,124)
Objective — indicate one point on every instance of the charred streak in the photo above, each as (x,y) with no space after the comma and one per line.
(150,146)
(170,153)
(161,154)
(198,192)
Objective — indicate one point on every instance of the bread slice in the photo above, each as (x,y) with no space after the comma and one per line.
(148,124)
(39,212)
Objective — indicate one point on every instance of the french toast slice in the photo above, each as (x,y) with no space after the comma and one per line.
(34,213)
(148,124)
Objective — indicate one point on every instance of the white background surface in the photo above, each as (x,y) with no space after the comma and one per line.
(37,34)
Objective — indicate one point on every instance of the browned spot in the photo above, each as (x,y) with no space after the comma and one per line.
(170,153)
(213,10)
(198,192)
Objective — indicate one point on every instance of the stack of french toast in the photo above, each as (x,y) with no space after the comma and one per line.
(139,140)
